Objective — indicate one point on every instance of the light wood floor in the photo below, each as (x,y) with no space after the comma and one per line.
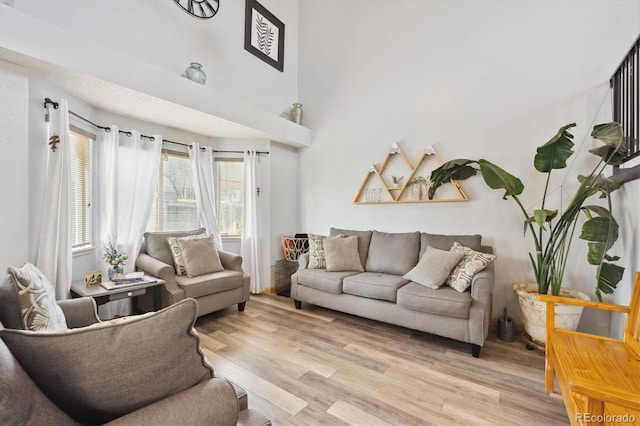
(320,367)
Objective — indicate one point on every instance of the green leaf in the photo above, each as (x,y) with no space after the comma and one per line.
(609,133)
(543,216)
(601,233)
(609,275)
(458,169)
(599,183)
(554,154)
(497,178)
(610,154)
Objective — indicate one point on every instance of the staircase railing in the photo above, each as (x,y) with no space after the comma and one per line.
(625,84)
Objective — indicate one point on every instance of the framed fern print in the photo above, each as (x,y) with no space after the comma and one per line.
(264,34)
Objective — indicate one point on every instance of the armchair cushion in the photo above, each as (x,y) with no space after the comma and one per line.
(21,402)
(199,255)
(104,371)
(36,299)
(157,246)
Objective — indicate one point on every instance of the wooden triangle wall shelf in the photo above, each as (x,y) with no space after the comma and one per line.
(404,192)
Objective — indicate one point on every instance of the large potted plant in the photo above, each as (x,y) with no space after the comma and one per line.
(553,231)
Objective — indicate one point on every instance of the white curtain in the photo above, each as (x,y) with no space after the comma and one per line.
(201,159)
(250,243)
(129,167)
(54,248)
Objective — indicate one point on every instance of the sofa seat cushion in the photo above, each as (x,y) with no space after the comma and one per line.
(211,283)
(443,301)
(374,285)
(321,279)
(393,253)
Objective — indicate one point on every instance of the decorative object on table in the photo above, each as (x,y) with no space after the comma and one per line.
(264,34)
(413,190)
(115,259)
(203,9)
(195,73)
(92,278)
(552,232)
(296,113)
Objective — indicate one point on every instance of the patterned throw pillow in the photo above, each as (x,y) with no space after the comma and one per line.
(36,296)
(316,251)
(176,252)
(472,263)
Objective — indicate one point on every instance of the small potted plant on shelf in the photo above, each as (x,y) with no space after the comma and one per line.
(114,258)
(419,186)
(552,231)
(397,181)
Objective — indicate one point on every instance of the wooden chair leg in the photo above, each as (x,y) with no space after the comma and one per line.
(548,376)
(241,306)
(475,350)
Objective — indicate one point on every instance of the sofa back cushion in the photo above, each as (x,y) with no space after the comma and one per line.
(106,370)
(21,402)
(364,239)
(157,246)
(445,242)
(393,253)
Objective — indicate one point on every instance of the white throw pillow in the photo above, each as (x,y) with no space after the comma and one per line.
(37,299)
(472,263)
(176,252)
(341,254)
(434,267)
(200,255)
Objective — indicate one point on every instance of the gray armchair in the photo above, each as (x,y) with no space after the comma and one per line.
(213,291)
(38,370)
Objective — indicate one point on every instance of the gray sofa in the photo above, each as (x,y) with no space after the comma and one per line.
(136,400)
(380,292)
(213,291)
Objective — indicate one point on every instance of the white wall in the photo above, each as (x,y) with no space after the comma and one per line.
(14,173)
(160,33)
(478,79)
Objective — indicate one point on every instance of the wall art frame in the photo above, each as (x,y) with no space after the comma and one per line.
(264,34)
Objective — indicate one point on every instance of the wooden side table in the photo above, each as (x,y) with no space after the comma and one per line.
(101,295)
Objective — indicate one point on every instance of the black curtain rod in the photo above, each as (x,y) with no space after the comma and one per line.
(48,101)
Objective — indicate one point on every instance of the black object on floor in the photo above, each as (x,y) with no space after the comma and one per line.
(286,292)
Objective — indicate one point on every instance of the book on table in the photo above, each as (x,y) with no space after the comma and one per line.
(130,279)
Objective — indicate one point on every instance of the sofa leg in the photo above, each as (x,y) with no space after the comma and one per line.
(298,304)
(241,306)
(475,350)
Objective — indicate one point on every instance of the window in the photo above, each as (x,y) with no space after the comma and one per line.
(230,193)
(174,207)
(81,188)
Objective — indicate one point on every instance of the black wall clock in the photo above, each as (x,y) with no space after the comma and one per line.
(203,9)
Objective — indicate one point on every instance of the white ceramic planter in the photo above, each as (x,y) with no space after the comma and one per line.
(534,312)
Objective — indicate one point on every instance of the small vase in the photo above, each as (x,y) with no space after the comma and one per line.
(296,113)
(195,73)
(115,271)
